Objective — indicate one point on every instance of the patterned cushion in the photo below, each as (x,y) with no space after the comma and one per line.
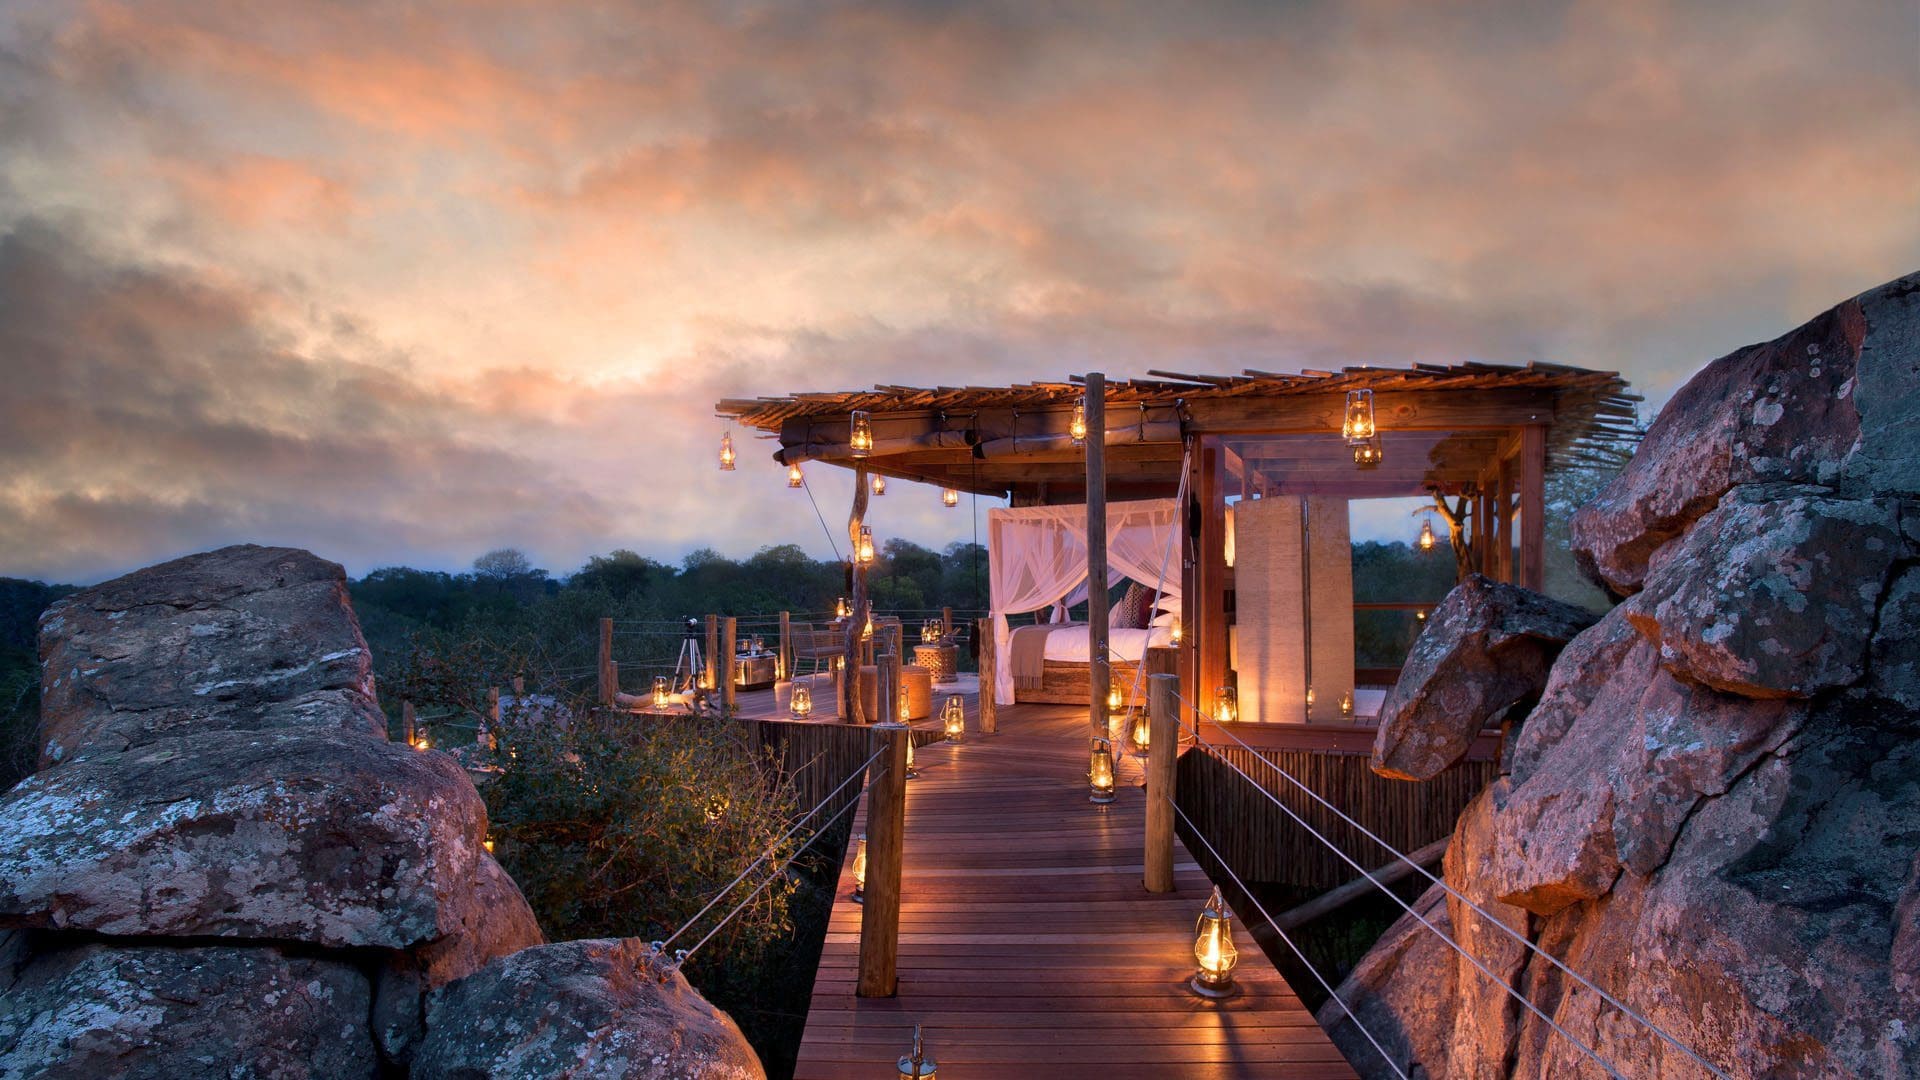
(1137,603)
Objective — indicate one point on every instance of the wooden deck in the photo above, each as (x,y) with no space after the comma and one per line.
(1029,947)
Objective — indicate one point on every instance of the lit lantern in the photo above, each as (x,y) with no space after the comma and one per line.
(1226,705)
(717,808)
(1309,697)
(953,719)
(930,631)
(860,870)
(1175,633)
(879,484)
(906,707)
(1368,454)
(866,632)
(1420,616)
(865,554)
(1077,427)
(1357,425)
(1140,733)
(841,609)
(912,773)
(1426,534)
(726,452)
(488,844)
(1116,701)
(1100,773)
(860,441)
(949,497)
(801,706)
(420,740)
(1213,949)
(1346,704)
(662,690)
(795,478)
(915,1064)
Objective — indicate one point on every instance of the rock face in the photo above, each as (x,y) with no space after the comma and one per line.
(1488,646)
(224,868)
(161,1013)
(579,1009)
(1713,812)
(244,638)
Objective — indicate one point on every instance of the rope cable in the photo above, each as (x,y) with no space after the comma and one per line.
(682,957)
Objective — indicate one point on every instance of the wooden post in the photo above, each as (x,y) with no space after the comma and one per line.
(1533,506)
(886,839)
(409,723)
(1163,746)
(896,667)
(784,662)
(519,685)
(1210,629)
(607,685)
(1098,670)
(851,708)
(713,652)
(729,643)
(1483,529)
(989,710)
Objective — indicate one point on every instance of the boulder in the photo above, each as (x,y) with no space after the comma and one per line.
(1402,992)
(289,836)
(1893,657)
(1773,594)
(245,638)
(1834,403)
(156,1012)
(1486,647)
(599,1008)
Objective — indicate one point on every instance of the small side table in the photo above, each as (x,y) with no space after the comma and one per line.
(755,671)
(941,660)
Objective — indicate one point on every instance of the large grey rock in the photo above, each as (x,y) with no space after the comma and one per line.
(1487,646)
(1773,594)
(278,835)
(243,638)
(1403,993)
(579,1009)
(153,1012)
(1835,403)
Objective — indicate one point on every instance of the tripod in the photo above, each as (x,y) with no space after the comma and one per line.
(689,666)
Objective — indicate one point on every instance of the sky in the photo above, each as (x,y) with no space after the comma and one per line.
(402,283)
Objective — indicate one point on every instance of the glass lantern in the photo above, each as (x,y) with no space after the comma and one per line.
(1175,632)
(801,705)
(860,869)
(865,554)
(662,691)
(1356,425)
(1368,454)
(860,439)
(1100,773)
(795,478)
(1139,733)
(953,719)
(1226,705)
(912,773)
(1346,704)
(1426,534)
(841,609)
(949,497)
(726,451)
(1077,427)
(879,484)
(1213,949)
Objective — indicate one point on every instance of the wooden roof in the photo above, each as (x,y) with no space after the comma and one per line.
(1011,440)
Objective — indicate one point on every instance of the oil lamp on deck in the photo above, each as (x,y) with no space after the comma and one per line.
(1226,705)
(1100,773)
(912,773)
(1139,733)
(802,704)
(953,719)
(1346,705)
(662,691)
(841,609)
(1213,949)
(860,870)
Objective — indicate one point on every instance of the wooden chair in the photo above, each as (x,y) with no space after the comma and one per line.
(814,648)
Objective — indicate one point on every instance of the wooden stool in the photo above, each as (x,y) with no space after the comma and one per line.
(916,683)
(941,660)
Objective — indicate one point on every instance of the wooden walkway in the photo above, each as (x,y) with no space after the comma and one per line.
(1029,947)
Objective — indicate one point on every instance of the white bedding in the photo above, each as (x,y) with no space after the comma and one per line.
(1069,643)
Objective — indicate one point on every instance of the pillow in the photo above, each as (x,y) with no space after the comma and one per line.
(1166,618)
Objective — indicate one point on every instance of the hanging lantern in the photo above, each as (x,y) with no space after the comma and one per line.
(662,690)
(802,704)
(879,484)
(865,554)
(1426,534)
(1226,705)
(1368,455)
(953,719)
(1213,949)
(1100,773)
(949,497)
(1077,427)
(860,441)
(860,869)
(840,608)
(1357,425)
(1346,704)
(795,478)
(916,1065)
(726,451)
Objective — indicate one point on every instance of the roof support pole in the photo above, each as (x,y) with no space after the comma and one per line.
(1100,671)
(851,707)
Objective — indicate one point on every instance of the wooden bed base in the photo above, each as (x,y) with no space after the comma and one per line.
(1065,682)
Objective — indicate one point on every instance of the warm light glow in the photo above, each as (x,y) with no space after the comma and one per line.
(420,741)
(1213,948)
(1357,425)
(949,497)
(906,707)
(865,554)
(912,773)
(717,808)
(860,868)
(954,719)
(1346,703)
(662,690)
(1226,705)
(1140,734)
(1100,773)
(1177,632)
(931,632)
(801,705)
(1115,699)
(841,609)
(860,441)
(866,632)
(726,452)
(488,844)
(1309,697)
(1368,454)
(1420,615)
(879,484)
(1426,535)
(1077,427)
(795,478)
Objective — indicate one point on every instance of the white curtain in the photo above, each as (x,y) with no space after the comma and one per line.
(1037,555)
